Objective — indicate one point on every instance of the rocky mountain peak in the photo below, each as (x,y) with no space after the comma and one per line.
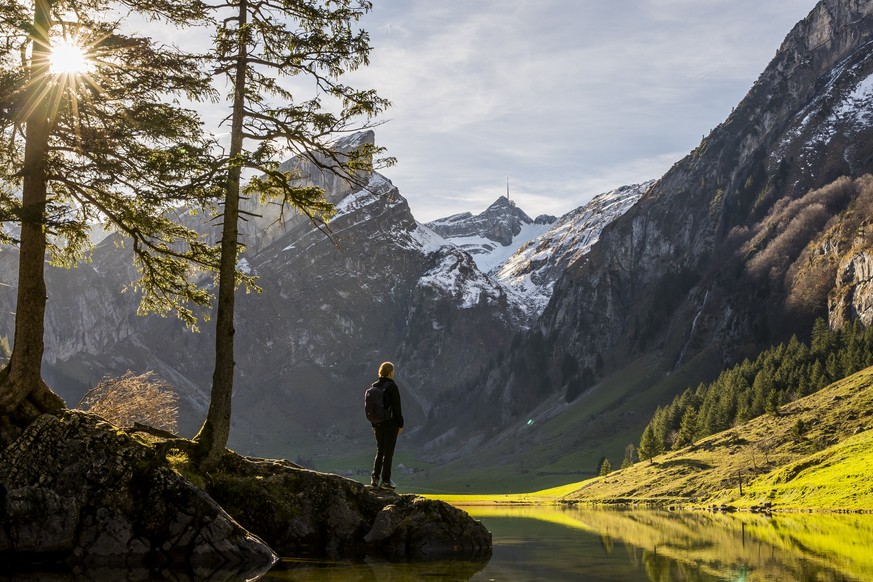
(499,223)
(493,235)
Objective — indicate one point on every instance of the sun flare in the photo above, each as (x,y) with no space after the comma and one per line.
(69,58)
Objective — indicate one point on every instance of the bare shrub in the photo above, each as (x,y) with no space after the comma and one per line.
(792,224)
(143,398)
(863,204)
(784,248)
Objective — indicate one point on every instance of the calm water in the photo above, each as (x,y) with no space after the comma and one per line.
(532,544)
(599,545)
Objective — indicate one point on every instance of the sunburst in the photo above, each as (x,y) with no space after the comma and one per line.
(69,57)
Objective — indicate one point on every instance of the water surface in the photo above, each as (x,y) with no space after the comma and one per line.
(555,543)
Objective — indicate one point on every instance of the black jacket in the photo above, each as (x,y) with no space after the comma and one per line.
(392,400)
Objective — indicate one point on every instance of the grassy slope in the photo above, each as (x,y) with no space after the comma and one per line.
(827,469)
(566,442)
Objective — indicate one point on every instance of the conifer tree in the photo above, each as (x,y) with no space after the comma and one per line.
(101,144)
(650,447)
(262,46)
(630,452)
(689,429)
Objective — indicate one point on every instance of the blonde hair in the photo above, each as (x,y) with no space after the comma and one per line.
(386,370)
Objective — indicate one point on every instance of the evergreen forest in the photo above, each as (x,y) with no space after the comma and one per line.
(750,389)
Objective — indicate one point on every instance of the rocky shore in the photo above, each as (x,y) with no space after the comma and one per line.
(80,492)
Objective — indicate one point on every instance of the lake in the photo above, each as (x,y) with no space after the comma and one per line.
(554,543)
(592,545)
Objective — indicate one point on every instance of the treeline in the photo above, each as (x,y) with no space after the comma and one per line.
(778,375)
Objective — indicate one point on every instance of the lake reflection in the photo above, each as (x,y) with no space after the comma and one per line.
(554,543)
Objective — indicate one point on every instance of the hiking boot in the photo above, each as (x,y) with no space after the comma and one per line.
(374,482)
(389,485)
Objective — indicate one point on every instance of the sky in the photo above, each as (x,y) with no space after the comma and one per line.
(564,98)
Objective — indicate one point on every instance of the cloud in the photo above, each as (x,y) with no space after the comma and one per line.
(567,98)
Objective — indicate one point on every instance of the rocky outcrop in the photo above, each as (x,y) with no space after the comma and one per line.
(419,528)
(305,513)
(852,299)
(76,490)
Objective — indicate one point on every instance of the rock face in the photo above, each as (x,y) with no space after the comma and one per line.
(667,275)
(76,490)
(532,271)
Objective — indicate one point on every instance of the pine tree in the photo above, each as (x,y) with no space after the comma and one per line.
(605,467)
(102,145)
(260,45)
(820,337)
(629,456)
(650,447)
(689,429)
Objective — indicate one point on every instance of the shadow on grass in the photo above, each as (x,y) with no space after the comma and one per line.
(693,463)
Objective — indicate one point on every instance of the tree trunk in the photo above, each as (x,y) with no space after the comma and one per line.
(213,435)
(21,380)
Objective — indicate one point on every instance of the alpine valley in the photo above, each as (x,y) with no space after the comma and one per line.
(527,349)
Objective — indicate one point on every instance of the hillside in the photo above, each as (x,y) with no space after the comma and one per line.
(757,232)
(822,466)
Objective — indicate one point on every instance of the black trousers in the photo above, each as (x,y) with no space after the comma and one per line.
(386,439)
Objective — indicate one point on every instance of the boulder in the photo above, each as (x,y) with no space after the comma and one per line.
(78,491)
(305,513)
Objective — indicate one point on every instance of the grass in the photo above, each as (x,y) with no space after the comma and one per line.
(826,468)
(565,442)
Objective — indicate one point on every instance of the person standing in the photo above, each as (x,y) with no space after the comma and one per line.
(386,430)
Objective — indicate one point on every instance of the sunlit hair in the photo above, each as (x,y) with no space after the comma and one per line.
(386,370)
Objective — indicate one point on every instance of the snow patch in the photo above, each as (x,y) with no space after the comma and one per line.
(457,276)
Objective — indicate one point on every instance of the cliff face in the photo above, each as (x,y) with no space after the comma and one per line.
(745,241)
(671,261)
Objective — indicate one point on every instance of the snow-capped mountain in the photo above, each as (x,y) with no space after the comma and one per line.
(383,287)
(531,271)
(494,235)
(761,229)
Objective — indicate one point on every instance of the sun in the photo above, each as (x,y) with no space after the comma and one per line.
(69,58)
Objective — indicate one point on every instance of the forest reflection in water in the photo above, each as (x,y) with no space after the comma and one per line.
(699,545)
(572,543)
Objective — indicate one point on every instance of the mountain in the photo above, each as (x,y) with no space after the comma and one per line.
(532,270)
(762,228)
(492,236)
(526,256)
(381,287)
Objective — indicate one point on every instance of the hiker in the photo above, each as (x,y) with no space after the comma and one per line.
(382,404)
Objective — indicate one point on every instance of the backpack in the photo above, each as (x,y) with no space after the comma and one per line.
(374,404)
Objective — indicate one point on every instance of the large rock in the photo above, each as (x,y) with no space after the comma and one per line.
(76,490)
(309,514)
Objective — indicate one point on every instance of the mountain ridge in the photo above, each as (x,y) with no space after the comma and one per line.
(668,295)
